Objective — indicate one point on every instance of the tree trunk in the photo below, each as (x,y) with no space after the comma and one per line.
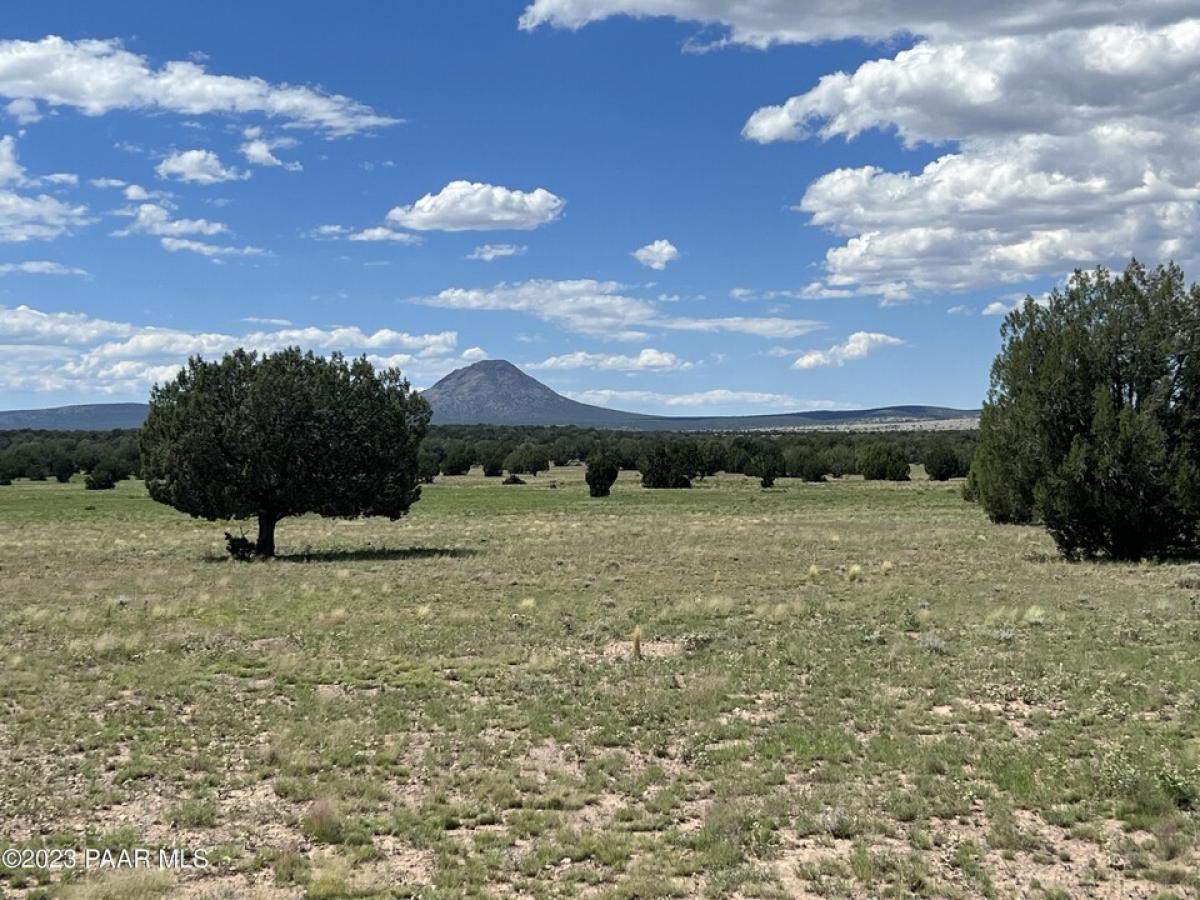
(265,545)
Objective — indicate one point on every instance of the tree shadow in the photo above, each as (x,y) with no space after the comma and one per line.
(366,554)
(376,554)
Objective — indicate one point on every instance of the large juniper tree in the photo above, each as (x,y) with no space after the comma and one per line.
(1092,422)
(281,435)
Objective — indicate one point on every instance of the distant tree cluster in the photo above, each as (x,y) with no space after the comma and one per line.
(1092,422)
(110,456)
(500,450)
(679,457)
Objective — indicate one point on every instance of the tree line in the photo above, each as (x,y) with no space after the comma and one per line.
(527,450)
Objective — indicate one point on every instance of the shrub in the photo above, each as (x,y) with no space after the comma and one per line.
(528,459)
(101,478)
(883,461)
(62,468)
(668,465)
(602,472)
(458,459)
(512,479)
(428,465)
(490,455)
(1092,420)
(766,465)
(942,463)
(805,463)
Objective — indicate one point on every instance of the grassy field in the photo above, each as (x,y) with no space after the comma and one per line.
(844,690)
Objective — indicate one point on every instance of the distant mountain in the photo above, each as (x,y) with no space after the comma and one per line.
(88,417)
(495,392)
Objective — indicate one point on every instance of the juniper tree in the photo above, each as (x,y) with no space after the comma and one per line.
(284,434)
(1092,421)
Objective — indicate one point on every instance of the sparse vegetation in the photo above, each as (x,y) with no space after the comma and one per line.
(451,703)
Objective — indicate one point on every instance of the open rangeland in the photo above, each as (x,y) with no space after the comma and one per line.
(845,689)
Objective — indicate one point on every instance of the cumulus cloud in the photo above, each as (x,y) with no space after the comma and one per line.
(715,397)
(198,167)
(25,111)
(381,233)
(150,218)
(40,267)
(98,76)
(260,151)
(648,360)
(490,252)
(471,206)
(656,254)
(1068,131)
(604,309)
(75,351)
(474,354)
(762,23)
(204,248)
(30,217)
(1073,148)
(376,233)
(858,346)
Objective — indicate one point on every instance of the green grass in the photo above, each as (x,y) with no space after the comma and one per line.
(449,705)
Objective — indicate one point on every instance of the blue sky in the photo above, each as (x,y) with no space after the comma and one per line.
(840,250)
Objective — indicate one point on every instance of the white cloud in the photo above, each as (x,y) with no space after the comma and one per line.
(381,233)
(40,267)
(98,76)
(648,359)
(11,171)
(198,167)
(761,23)
(78,352)
(105,183)
(1074,148)
(490,252)
(260,320)
(602,309)
(149,218)
(715,397)
(206,249)
(376,233)
(1068,131)
(471,206)
(25,217)
(474,354)
(656,254)
(259,151)
(857,346)
(25,111)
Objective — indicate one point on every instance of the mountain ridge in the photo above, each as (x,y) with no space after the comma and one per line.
(496,392)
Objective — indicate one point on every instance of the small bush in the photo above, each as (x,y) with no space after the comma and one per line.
(513,479)
(101,478)
(669,465)
(883,461)
(602,472)
(323,823)
(240,547)
(942,463)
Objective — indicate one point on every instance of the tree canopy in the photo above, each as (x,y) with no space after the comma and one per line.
(284,434)
(1092,422)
